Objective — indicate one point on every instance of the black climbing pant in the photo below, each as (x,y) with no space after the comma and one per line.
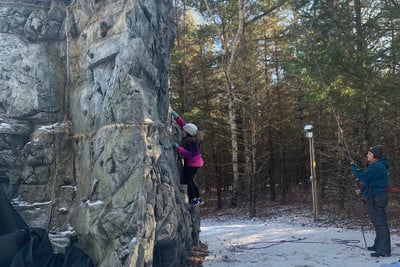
(189,175)
(377,213)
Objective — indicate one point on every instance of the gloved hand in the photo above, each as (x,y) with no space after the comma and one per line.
(174,114)
(175,145)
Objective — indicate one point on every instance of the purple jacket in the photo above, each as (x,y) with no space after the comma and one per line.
(190,148)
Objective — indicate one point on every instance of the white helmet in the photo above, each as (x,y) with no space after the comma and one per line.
(190,128)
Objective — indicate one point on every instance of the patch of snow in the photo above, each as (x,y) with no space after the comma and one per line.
(5,125)
(69,186)
(52,127)
(133,241)
(19,202)
(287,240)
(95,203)
(62,210)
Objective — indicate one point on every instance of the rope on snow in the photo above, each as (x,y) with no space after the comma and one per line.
(250,246)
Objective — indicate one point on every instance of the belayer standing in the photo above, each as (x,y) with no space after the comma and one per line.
(190,150)
(374,181)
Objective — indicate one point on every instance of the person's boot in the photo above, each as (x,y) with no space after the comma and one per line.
(200,201)
(194,202)
(379,254)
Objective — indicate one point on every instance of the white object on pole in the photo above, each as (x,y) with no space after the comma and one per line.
(313,179)
(308,127)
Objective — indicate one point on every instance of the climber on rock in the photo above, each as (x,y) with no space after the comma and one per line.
(190,150)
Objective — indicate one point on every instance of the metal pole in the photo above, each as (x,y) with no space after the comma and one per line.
(313,177)
(314,180)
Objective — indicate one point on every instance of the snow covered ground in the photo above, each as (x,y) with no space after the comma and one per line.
(286,240)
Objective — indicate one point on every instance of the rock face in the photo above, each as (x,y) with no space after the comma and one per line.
(85,136)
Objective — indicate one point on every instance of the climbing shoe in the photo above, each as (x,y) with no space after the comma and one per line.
(194,202)
(200,201)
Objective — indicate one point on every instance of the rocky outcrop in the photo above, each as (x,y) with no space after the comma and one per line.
(85,136)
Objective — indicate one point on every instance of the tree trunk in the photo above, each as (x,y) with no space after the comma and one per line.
(231,98)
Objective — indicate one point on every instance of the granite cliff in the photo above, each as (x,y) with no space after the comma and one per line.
(85,133)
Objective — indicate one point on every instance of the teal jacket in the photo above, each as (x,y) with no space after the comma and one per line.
(374,179)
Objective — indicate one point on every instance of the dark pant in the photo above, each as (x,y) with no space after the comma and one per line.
(189,174)
(377,213)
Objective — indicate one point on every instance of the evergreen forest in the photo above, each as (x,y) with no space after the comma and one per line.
(251,74)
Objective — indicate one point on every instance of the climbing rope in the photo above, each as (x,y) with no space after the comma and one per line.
(393,189)
(347,242)
(346,147)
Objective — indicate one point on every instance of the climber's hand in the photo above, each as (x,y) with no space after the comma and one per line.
(174,114)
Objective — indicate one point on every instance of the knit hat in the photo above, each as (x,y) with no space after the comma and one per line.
(190,128)
(377,151)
